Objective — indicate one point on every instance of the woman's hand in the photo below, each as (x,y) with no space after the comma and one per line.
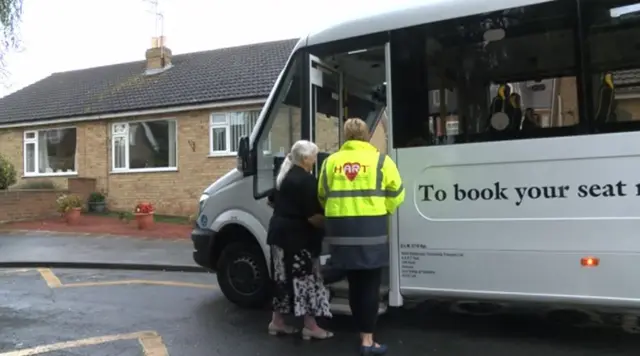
(317,220)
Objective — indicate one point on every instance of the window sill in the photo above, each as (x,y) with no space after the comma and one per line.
(222,154)
(144,170)
(46,175)
(231,154)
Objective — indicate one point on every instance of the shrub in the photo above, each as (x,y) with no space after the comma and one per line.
(125,216)
(97,197)
(143,208)
(68,202)
(8,173)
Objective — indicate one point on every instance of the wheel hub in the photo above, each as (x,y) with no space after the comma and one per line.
(244,275)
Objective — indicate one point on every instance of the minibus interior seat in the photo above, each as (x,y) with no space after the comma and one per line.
(498,120)
(605,111)
(514,111)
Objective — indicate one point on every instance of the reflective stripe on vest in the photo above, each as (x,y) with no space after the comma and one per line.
(358,230)
(376,192)
(363,230)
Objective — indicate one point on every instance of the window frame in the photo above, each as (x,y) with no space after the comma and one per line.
(113,136)
(34,141)
(227,152)
(436,97)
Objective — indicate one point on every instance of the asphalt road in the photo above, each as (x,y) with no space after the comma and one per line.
(38,247)
(100,313)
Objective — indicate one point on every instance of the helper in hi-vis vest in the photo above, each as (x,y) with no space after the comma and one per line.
(359,187)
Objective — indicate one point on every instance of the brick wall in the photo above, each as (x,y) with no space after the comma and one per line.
(83,187)
(18,205)
(27,204)
(173,193)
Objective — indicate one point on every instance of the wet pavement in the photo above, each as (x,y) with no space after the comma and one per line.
(42,247)
(100,313)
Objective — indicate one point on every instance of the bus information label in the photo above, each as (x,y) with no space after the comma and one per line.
(415,258)
(412,260)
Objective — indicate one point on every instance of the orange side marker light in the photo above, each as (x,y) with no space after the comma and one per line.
(590,262)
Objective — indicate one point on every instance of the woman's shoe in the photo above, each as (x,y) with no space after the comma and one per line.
(373,350)
(320,334)
(282,330)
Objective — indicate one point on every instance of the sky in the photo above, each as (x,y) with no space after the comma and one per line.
(62,35)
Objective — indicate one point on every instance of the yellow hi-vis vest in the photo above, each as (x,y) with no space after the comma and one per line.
(358,188)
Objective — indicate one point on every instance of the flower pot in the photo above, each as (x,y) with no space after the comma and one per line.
(72,216)
(98,207)
(145,221)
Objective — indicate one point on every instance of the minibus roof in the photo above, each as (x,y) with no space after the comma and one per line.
(410,15)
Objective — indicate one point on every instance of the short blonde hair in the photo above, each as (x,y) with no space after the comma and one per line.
(356,129)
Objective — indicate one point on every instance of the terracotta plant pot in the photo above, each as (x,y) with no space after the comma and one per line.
(145,221)
(72,216)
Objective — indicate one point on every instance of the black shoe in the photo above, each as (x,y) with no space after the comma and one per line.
(373,350)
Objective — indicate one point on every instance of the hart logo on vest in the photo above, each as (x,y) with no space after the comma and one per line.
(351,169)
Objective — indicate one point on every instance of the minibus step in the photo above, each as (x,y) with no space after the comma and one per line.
(340,306)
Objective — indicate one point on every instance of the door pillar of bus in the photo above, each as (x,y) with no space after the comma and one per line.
(326,87)
(395,298)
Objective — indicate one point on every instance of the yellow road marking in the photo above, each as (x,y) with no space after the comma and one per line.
(50,278)
(150,341)
(152,345)
(54,282)
(138,281)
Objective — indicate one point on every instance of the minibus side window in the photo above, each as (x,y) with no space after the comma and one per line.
(506,75)
(281,128)
(613,39)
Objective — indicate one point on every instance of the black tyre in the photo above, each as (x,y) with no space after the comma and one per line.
(243,275)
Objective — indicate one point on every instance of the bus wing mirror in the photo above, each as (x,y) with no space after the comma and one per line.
(244,153)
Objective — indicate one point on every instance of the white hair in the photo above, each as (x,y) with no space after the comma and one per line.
(299,151)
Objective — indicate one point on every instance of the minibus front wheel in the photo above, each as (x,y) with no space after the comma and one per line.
(243,275)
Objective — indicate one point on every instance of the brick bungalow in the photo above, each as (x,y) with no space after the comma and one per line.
(159,129)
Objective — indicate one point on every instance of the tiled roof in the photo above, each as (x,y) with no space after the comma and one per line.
(236,73)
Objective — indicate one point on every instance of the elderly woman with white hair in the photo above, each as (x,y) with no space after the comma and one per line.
(295,238)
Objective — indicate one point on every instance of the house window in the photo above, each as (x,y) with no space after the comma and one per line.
(144,146)
(436,97)
(226,129)
(50,152)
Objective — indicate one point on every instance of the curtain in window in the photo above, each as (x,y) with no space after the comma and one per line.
(120,152)
(30,152)
(43,154)
(172,144)
(241,124)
